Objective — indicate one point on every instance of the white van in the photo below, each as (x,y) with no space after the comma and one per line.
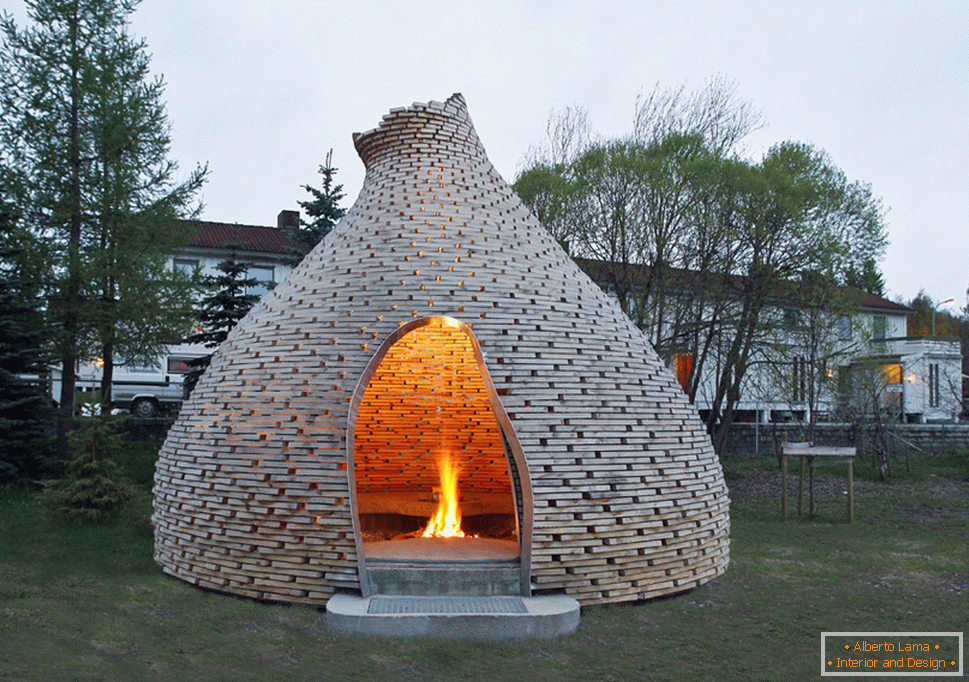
(144,391)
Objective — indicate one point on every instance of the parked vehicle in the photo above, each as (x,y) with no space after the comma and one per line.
(146,392)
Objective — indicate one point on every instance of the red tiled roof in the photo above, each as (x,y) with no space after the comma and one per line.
(255,238)
(880,303)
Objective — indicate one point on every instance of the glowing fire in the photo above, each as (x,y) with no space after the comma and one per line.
(446,522)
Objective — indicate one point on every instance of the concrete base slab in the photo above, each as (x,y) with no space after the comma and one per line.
(485,618)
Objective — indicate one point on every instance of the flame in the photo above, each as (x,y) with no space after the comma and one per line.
(446,522)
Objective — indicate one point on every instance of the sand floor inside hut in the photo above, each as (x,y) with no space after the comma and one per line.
(442,550)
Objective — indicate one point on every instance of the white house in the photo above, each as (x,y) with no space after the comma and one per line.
(812,361)
(915,379)
(923,378)
(147,390)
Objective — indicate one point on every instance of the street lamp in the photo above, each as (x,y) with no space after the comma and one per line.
(947,302)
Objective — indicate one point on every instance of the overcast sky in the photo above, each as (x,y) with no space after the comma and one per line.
(261,90)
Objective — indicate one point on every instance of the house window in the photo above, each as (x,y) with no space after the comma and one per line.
(185,265)
(935,399)
(844,328)
(792,319)
(799,382)
(892,374)
(265,275)
(880,327)
(683,366)
(845,381)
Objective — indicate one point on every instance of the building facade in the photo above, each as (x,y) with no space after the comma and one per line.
(822,355)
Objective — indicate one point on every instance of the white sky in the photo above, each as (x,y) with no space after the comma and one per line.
(261,90)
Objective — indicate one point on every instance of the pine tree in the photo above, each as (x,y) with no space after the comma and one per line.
(26,413)
(867,278)
(324,209)
(86,130)
(94,489)
(220,311)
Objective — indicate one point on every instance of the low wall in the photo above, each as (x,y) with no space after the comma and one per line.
(749,439)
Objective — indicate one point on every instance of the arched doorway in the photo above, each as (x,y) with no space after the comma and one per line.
(426,404)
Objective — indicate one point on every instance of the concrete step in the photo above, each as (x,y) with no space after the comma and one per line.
(444,567)
(445,580)
(484,618)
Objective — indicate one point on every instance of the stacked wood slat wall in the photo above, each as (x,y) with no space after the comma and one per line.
(252,488)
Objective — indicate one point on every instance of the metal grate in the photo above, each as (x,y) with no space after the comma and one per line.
(445,605)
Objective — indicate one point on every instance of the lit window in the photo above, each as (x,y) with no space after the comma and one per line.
(683,366)
(892,374)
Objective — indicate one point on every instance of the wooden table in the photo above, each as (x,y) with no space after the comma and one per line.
(806,451)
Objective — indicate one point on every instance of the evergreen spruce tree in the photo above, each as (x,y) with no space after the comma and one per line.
(220,311)
(324,209)
(26,414)
(867,278)
(85,127)
(94,490)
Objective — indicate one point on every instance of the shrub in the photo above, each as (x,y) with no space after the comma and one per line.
(94,490)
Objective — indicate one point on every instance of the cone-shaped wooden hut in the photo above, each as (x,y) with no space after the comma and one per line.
(439,319)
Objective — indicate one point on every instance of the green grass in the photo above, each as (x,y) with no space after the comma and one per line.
(137,460)
(88,603)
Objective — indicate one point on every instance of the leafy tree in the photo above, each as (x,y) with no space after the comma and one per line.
(220,311)
(324,209)
(548,192)
(86,129)
(714,113)
(567,135)
(820,336)
(865,404)
(546,183)
(642,214)
(139,304)
(608,180)
(698,244)
(793,212)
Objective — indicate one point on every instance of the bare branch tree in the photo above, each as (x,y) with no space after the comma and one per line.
(567,135)
(715,113)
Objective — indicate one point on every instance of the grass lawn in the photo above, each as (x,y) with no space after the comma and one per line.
(88,603)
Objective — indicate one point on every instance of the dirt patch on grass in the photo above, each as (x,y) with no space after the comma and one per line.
(915,582)
(764,486)
(914,501)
